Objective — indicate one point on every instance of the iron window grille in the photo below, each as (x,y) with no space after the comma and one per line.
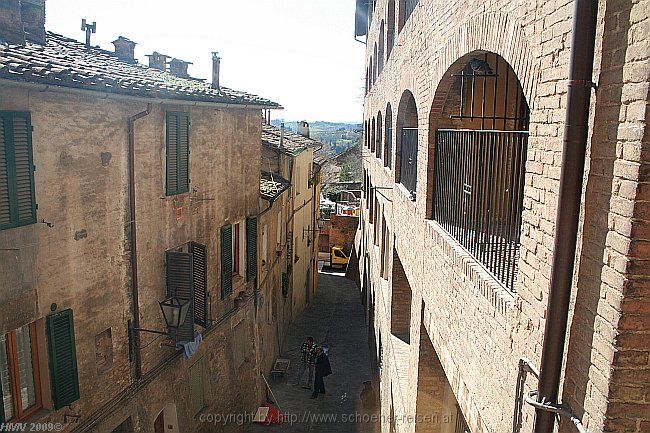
(480,166)
(479,194)
(409,160)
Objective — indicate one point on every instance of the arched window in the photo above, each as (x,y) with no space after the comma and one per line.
(479,132)
(380,136)
(407,144)
(370,74)
(388,139)
(374,65)
(390,32)
(380,53)
(406,8)
(365,133)
(373,137)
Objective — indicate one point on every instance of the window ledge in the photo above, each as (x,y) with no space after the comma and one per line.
(502,299)
(406,193)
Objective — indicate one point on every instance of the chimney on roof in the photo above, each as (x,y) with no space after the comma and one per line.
(303,129)
(158,61)
(281,134)
(216,65)
(22,19)
(178,67)
(125,49)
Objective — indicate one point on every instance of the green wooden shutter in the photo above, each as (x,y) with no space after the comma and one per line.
(196,386)
(226,261)
(183,152)
(64,377)
(17,204)
(251,248)
(178,152)
(179,284)
(200,283)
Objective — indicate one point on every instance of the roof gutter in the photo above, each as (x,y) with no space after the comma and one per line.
(576,131)
(39,87)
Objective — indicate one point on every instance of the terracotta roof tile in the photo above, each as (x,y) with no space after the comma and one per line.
(65,62)
(272,185)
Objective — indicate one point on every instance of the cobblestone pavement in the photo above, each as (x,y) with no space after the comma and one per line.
(335,317)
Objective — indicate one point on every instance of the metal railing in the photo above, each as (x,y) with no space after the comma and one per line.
(479,182)
(408,154)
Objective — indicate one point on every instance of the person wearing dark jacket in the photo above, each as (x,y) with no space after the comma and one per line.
(322,369)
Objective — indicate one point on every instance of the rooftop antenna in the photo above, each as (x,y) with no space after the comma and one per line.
(88,28)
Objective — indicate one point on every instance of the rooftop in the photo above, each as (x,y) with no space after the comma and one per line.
(66,62)
(272,185)
(292,143)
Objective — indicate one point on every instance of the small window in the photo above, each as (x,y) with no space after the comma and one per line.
(19,373)
(297,180)
(17,206)
(278,233)
(178,152)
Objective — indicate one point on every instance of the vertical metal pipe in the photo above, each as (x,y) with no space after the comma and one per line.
(566,226)
(134,244)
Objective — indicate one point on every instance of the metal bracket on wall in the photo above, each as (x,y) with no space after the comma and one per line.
(560,409)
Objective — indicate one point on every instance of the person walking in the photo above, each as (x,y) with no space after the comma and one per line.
(322,370)
(307,357)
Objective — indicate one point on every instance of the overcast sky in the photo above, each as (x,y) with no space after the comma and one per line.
(300,53)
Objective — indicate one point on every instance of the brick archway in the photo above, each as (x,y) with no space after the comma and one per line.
(495,32)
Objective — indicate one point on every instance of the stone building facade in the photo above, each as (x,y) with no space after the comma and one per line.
(78,123)
(291,156)
(451,325)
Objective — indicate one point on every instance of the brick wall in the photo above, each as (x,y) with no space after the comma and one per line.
(400,304)
(478,328)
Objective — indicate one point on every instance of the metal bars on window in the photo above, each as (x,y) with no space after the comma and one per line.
(409,159)
(479,182)
(491,96)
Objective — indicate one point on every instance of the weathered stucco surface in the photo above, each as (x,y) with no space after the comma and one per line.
(82,262)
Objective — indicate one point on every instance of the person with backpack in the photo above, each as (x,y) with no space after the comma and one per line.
(322,370)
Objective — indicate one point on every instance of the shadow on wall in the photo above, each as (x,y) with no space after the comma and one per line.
(598,194)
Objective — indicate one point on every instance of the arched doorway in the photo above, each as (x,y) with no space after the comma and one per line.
(406,164)
(479,134)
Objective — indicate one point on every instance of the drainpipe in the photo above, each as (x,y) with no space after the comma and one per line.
(566,224)
(134,244)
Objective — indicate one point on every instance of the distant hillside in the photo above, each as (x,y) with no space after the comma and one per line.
(341,150)
(336,137)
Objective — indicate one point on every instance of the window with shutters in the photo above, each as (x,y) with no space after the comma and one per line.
(251,248)
(197,389)
(17,205)
(178,152)
(19,374)
(187,279)
(226,260)
(62,353)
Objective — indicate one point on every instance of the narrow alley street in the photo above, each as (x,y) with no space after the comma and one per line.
(336,318)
